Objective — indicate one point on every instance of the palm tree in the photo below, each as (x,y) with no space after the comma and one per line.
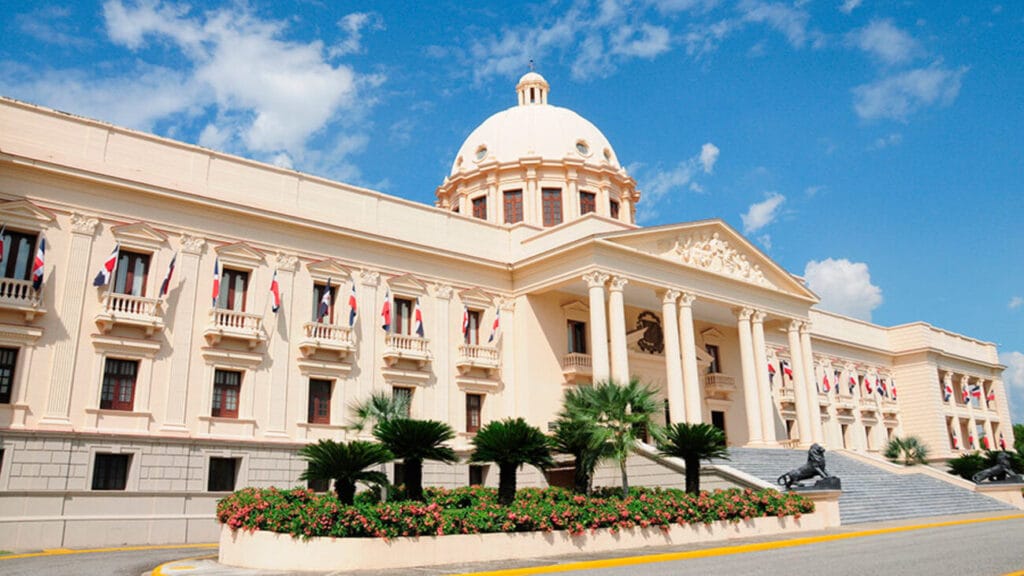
(510,443)
(346,464)
(692,443)
(588,444)
(910,449)
(414,441)
(623,410)
(380,406)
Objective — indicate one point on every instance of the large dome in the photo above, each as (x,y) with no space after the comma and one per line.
(534,129)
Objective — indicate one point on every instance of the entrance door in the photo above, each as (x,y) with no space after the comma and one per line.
(718,421)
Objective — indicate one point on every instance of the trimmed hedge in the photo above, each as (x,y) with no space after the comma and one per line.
(475,510)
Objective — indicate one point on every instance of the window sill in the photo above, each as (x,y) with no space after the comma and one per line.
(116,412)
(227,419)
(318,426)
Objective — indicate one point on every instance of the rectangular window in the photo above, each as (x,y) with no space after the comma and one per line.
(473,330)
(480,207)
(233,285)
(716,366)
(513,206)
(613,209)
(551,203)
(8,361)
(319,485)
(223,474)
(18,255)
(477,474)
(131,273)
(319,411)
(318,296)
(474,402)
(110,471)
(401,392)
(577,332)
(718,420)
(403,316)
(227,385)
(588,202)
(118,392)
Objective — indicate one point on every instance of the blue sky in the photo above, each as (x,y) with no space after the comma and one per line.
(875,147)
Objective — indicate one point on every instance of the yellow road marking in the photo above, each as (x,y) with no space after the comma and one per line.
(728,550)
(1018,573)
(159,570)
(66,551)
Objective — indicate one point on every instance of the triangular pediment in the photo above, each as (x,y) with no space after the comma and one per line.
(407,284)
(576,308)
(139,235)
(241,254)
(24,214)
(714,247)
(712,336)
(329,268)
(476,298)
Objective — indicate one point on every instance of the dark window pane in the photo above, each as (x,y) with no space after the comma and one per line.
(110,471)
(118,390)
(226,388)
(319,409)
(473,405)
(613,209)
(131,273)
(222,474)
(551,203)
(8,362)
(233,286)
(513,206)
(588,202)
(18,255)
(480,207)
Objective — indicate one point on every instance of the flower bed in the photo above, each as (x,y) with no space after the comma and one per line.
(475,510)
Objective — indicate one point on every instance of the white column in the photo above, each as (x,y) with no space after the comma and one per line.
(182,304)
(810,386)
(691,379)
(280,345)
(993,442)
(446,403)
(617,329)
(803,413)
(947,382)
(507,345)
(598,326)
(673,361)
(65,351)
(763,385)
(751,401)
(368,327)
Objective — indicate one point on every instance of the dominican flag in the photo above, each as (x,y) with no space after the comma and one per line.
(465,323)
(1002,442)
(216,281)
(965,394)
(991,396)
(825,385)
(882,388)
(852,385)
(38,265)
(786,369)
(836,377)
(868,388)
(970,440)
(892,388)
(984,442)
(325,303)
(165,286)
(496,326)
(385,312)
(956,442)
(417,319)
(947,391)
(103,278)
(352,306)
(275,294)
(976,391)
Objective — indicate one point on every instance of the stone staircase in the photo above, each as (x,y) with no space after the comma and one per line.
(870,493)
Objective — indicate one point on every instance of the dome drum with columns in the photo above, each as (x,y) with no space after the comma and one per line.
(538,164)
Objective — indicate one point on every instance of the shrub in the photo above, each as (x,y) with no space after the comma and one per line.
(475,510)
(967,466)
(910,450)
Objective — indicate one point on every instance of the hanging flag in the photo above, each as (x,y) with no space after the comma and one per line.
(275,294)
(970,439)
(786,369)
(165,286)
(852,384)
(1002,442)
(352,306)
(418,319)
(984,442)
(991,396)
(465,324)
(496,326)
(825,384)
(385,312)
(868,388)
(892,388)
(956,441)
(771,374)
(38,265)
(965,394)
(947,391)
(103,278)
(3,232)
(216,281)
(882,388)
(325,303)
(836,376)
(976,391)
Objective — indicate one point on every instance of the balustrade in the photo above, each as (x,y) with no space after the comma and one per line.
(19,295)
(330,337)
(130,310)
(226,323)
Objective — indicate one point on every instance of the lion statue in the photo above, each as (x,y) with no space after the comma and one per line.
(815,466)
(1003,470)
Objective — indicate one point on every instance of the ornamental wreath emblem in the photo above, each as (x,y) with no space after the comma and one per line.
(653,341)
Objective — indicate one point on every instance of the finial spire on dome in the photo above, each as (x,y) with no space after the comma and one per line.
(532,88)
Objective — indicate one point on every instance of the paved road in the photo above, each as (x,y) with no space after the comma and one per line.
(131,563)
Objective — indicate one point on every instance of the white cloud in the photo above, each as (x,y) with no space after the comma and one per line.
(762,213)
(844,287)
(812,191)
(790,21)
(353,25)
(891,139)
(886,42)
(898,96)
(765,240)
(1013,380)
(708,157)
(1015,303)
(849,6)
(644,41)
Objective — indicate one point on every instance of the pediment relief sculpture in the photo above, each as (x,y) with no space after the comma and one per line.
(708,251)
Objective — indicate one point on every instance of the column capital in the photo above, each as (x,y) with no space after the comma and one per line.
(443,291)
(369,277)
(670,296)
(82,224)
(793,326)
(192,244)
(758,317)
(618,283)
(506,304)
(285,262)
(595,279)
(686,299)
(805,326)
(743,314)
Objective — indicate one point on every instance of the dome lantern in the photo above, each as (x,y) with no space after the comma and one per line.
(532,89)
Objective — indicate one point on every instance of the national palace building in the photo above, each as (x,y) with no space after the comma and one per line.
(130,402)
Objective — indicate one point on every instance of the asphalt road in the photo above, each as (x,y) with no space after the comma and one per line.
(130,563)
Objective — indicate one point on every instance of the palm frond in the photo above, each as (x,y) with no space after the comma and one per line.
(416,439)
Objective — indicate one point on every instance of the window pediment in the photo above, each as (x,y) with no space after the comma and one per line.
(139,235)
(576,310)
(25,215)
(476,298)
(240,254)
(321,270)
(407,285)
(712,336)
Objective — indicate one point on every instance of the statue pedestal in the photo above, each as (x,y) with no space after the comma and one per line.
(830,483)
(826,503)
(1005,491)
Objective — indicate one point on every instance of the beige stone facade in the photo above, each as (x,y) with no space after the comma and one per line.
(186,388)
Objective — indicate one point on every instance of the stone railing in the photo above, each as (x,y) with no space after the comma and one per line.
(576,365)
(126,309)
(785,394)
(477,356)
(719,386)
(868,402)
(329,337)
(401,346)
(226,323)
(19,295)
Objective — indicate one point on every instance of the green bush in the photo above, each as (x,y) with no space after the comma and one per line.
(475,510)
